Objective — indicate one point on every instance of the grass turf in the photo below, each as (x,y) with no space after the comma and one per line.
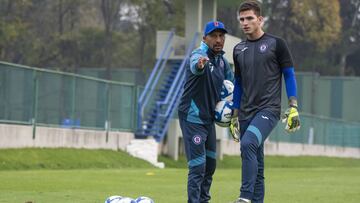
(283,185)
(66,158)
(79,176)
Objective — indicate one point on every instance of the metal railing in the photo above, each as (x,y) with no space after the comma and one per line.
(152,81)
(174,93)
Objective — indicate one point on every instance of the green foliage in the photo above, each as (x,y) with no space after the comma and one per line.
(229,3)
(316,21)
(71,33)
(66,34)
(14,39)
(312,29)
(86,48)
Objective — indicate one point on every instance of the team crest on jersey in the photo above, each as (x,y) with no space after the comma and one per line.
(263,48)
(196,139)
(221,63)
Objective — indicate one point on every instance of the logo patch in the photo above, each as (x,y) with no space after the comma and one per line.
(221,63)
(264,117)
(216,23)
(263,48)
(211,66)
(243,49)
(197,139)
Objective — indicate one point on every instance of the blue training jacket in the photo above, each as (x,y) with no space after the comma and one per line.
(202,87)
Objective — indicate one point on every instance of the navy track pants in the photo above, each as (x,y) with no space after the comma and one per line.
(253,134)
(200,149)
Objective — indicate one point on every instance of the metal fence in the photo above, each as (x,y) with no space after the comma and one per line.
(334,97)
(320,131)
(44,97)
(33,96)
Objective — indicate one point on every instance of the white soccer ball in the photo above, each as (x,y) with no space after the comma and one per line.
(223,111)
(126,200)
(113,199)
(227,90)
(144,200)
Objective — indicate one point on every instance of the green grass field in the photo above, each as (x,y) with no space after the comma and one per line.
(86,176)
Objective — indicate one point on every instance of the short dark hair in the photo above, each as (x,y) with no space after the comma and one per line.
(250,5)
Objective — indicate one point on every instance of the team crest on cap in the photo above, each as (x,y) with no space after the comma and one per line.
(197,139)
(263,48)
(216,23)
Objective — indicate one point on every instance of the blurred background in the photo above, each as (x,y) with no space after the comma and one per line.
(84,64)
(69,35)
(84,84)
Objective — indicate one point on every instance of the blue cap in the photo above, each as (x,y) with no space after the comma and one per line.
(214,25)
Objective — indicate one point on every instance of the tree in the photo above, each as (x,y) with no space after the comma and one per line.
(350,36)
(110,10)
(227,13)
(14,30)
(66,34)
(155,15)
(310,27)
(316,21)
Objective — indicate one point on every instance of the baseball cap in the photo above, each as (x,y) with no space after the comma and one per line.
(214,25)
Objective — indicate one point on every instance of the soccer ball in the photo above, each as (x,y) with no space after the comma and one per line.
(113,199)
(223,111)
(227,90)
(144,200)
(126,200)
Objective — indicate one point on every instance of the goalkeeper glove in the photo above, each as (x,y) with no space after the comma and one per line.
(291,117)
(235,126)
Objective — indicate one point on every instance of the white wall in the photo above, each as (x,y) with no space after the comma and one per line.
(19,136)
(227,146)
(230,42)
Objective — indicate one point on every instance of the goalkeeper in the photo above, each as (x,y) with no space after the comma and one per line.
(260,63)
